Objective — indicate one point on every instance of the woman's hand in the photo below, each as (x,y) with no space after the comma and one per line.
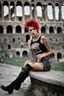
(39,56)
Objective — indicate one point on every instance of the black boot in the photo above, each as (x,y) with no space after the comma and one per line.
(17,82)
(8,88)
(23,76)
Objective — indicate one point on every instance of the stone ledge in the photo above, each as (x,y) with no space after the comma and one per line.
(52,77)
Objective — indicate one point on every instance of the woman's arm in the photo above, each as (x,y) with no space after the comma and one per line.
(30,54)
(49,50)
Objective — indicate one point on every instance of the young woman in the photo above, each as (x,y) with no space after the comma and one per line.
(40,50)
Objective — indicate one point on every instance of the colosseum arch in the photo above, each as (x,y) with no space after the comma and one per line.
(18,29)
(27,37)
(59,30)
(9,46)
(59,56)
(51,29)
(6,10)
(50,13)
(27,7)
(17,53)
(12,10)
(62,11)
(19,7)
(25,53)
(57,11)
(43,29)
(1,29)
(25,30)
(39,9)
(9,29)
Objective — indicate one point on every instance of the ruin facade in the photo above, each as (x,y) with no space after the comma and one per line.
(13,34)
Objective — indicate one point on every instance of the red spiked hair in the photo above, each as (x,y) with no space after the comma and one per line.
(33,23)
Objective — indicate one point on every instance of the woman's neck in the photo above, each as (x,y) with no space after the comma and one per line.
(35,37)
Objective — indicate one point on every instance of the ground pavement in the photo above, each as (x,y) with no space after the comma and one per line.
(7,74)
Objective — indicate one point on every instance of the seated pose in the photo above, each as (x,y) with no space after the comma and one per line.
(41,52)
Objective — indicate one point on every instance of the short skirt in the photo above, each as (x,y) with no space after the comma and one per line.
(46,63)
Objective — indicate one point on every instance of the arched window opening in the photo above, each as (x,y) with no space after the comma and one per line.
(18,53)
(1,29)
(43,29)
(9,46)
(13,39)
(27,38)
(18,29)
(6,10)
(39,9)
(25,30)
(57,12)
(51,29)
(62,11)
(25,54)
(26,8)
(50,12)
(9,29)
(59,56)
(12,10)
(19,11)
(59,30)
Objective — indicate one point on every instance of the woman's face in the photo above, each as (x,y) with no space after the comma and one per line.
(32,31)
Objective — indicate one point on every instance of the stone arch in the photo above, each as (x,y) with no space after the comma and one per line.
(1,29)
(57,11)
(19,7)
(50,11)
(13,39)
(25,53)
(39,9)
(17,53)
(43,29)
(12,10)
(27,37)
(52,55)
(18,29)
(6,9)
(59,56)
(59,30)
(26,7)
(9,29)
(62,11)
(51,29)
(9,46)
(25,30)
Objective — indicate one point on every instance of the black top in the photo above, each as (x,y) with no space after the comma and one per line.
(38,47)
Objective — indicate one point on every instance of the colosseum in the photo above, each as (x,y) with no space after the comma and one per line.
(13,34)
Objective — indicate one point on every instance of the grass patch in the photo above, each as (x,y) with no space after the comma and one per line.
(59,66)
(20,62)
(15,61)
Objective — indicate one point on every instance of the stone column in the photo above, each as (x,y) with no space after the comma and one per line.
(2,7)
(4,29)
(15,11)
(60,15)
(9,13)
(35,12)
(14,30)
(53,12)
(46,17)
(30,11)
(23,16)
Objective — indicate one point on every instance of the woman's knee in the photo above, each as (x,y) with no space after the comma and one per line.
(27,62)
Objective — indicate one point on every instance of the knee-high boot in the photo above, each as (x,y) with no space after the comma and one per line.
(17,82)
